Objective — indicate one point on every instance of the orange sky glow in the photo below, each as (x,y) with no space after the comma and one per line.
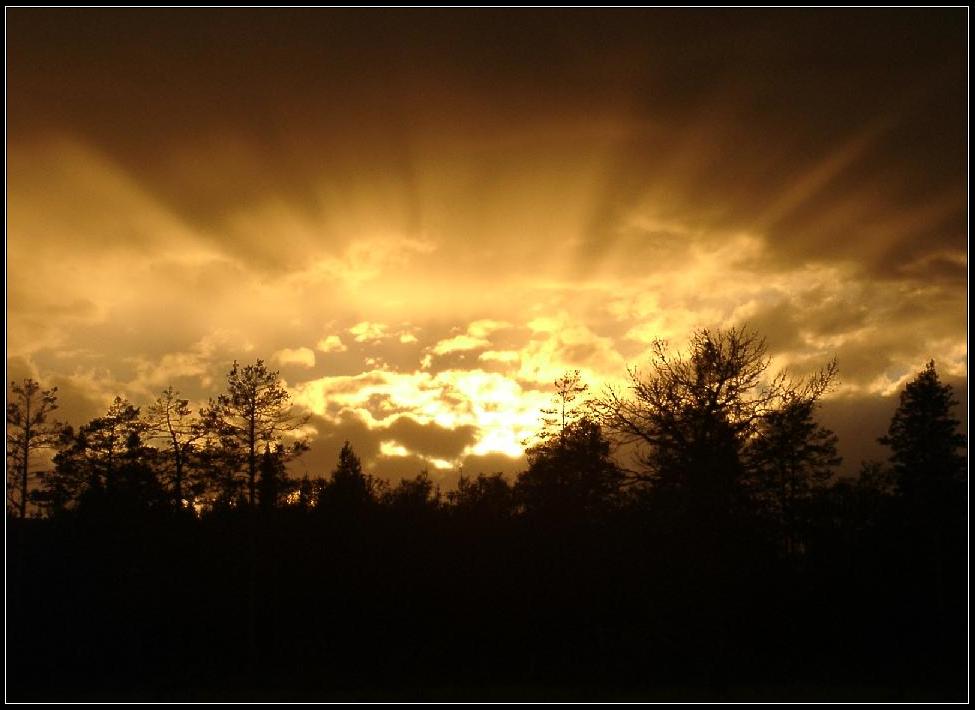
(422,218)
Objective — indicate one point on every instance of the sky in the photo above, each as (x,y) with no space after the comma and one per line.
(423,217)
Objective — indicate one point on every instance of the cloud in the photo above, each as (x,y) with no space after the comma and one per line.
(489,411)
(475,338)
(459,343)
(20,368)
(79,401)
(485,327)
(502,356)
(365,331)
(431,440)
(391,448)
(331,344)
(559,343)
(296,356)
(400,447)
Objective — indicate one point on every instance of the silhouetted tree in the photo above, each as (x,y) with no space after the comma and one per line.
(348,489)
(218,461)
(107,442)
(170,419)
(925,442)
(565,409)
(255,410)
(570,472)
(413,494)
(791,459)
(571,475)
(484,497)
(272,485)
(853,506)
(63,485)
(876,479)
(692,417)
(928,470)
(107,456)
(305,498)
(28,429)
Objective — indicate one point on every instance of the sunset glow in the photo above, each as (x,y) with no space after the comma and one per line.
(423,241)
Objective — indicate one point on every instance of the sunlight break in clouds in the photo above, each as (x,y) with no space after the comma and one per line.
(502,412)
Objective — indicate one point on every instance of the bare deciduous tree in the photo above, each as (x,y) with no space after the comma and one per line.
(694,419)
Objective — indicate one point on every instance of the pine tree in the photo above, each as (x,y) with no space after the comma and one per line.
(571,474)
(484,498)
(28,429)
(928,471)
(106,457)
(169,419)
(111,441)
(791,459)
(564,411)
(272,479)
(925,441)
(255,410)
(349,487)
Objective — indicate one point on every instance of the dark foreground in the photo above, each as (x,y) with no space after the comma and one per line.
(424,605)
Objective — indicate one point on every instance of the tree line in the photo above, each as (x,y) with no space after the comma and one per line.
(711,432)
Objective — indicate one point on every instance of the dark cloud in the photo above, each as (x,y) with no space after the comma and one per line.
(860,420)
(423,442)
(826,130)
(19,369)
(323,456)
(431,440)
(939,269)
(779,324)
(77,405)
(397,468)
